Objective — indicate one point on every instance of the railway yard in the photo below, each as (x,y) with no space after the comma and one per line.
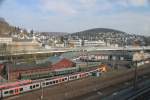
(74,50)
(84,89)
(76,76)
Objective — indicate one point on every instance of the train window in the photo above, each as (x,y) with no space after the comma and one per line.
(71,77)
(56,81)
(65,78)
(6,92)
(51,82)
(43,83)
(37,85)
(11,91)
(47,83)
(21,89)
(33,86)
(30,87)
(59,80)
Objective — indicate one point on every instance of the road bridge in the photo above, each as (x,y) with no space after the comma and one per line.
(62,50)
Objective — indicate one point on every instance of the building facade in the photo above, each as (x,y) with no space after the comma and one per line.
(4,39)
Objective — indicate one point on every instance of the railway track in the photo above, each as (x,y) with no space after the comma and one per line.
(76,89)
(111,90)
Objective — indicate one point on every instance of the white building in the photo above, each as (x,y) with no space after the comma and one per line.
(94,43)
(86,43)
(5,39)
(75,43)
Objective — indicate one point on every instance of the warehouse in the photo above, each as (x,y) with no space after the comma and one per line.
(28,71)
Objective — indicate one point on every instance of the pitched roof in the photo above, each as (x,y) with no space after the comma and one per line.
(64,63)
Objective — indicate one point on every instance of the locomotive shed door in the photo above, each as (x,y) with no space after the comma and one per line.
(16,92)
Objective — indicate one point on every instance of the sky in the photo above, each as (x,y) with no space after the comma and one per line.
(131,16)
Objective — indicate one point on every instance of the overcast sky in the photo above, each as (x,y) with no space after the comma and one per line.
(132,16)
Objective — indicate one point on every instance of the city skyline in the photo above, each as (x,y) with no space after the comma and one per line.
(131,16)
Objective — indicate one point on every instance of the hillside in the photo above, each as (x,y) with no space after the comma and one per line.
(4,26)
(6,29)
(98,33)
(111,36)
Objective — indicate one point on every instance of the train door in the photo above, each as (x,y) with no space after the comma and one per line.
(16,91)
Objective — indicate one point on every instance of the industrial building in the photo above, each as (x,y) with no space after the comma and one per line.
(35,71)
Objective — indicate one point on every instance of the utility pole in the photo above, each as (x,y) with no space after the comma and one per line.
(136,58)
(42,93)
(135,75)
(88,59)
(7,72)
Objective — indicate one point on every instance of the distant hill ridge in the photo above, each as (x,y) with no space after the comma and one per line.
(99,34)
(100,30)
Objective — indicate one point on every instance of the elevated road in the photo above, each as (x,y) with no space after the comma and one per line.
(62,50)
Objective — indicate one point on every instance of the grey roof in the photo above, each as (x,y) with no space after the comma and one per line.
(54,59)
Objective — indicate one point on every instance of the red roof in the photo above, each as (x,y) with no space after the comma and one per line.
(64,63)
(1,65)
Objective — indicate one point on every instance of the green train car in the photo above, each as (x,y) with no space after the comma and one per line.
(59,72)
